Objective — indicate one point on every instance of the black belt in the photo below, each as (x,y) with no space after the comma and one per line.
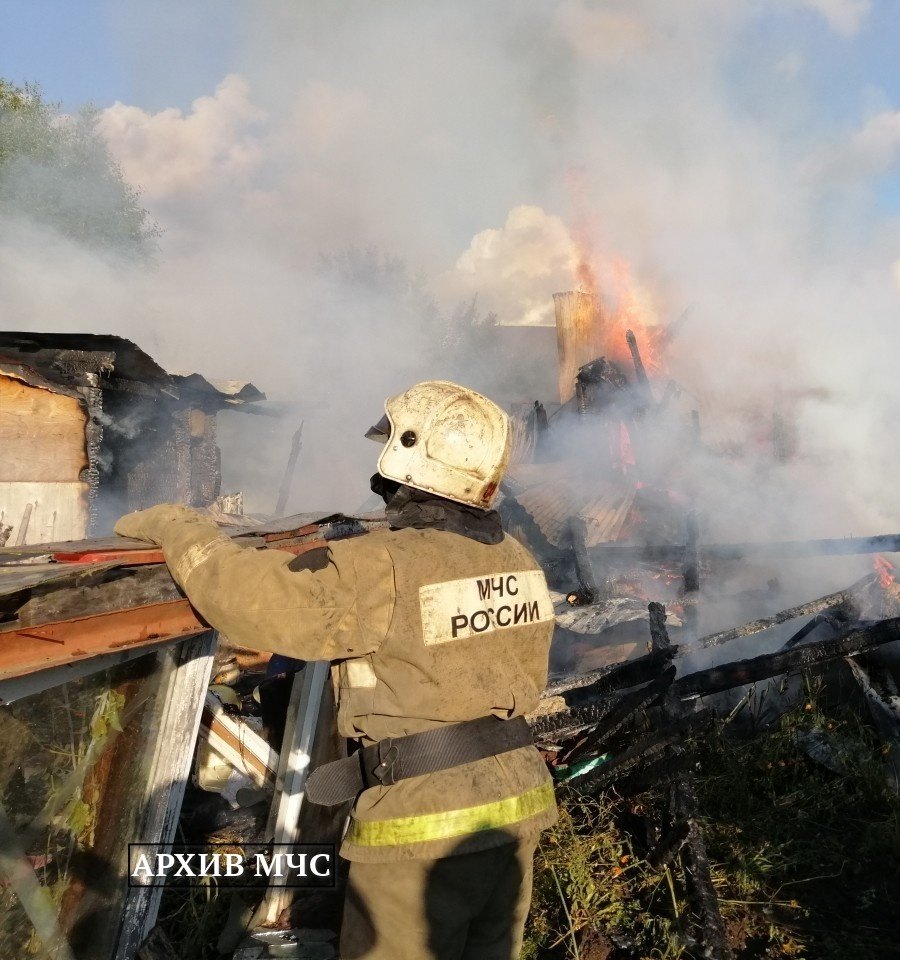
(399,758)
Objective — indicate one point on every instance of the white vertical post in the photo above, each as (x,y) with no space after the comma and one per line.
(293,769)
(183,699)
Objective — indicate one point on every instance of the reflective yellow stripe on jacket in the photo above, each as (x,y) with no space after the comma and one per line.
(452,823)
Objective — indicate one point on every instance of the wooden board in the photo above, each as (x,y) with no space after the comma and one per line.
(59,511)
(41,434)
(234,740)
(87,598)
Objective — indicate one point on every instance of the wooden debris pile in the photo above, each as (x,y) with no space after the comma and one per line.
(628,726)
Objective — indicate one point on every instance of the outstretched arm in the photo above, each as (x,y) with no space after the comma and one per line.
(256,600)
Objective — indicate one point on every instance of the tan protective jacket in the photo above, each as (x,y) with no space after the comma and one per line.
(423,627)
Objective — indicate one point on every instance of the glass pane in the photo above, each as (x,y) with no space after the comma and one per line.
(74,764)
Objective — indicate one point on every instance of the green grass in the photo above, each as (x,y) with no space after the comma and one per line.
(806,862)
(193,919)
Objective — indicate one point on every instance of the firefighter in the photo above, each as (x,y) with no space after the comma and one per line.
(438,630)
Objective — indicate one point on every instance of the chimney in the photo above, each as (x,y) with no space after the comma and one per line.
(578,339)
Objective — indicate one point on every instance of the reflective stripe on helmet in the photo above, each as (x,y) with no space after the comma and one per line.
(452,823)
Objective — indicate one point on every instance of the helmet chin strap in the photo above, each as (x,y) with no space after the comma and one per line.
(386,489)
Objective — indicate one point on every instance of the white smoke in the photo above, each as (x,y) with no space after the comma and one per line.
(485,145)
(512,267)
(172,154)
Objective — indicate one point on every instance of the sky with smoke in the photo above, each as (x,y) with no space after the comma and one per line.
(742,157)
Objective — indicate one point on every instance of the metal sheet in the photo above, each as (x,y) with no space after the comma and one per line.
(15,688)
(14,578)
(27,650)
(552,504)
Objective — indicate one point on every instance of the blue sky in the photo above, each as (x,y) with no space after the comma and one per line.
(844,79)
(844,74)
(100,51)
(105,50)
(166,53)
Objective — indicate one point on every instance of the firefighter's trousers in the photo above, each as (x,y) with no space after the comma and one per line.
(467,907)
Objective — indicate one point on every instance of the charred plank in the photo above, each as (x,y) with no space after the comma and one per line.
(645,393)
(617,677)
(650,748)
(623,710)
(698,875)
(860,636)
(588,590)
(141,586)
(842,598)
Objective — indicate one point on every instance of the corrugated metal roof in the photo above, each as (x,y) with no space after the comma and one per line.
(604,509)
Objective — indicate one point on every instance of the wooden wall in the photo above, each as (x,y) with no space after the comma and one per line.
(42,455)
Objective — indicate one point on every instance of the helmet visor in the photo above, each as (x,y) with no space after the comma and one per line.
(381,431)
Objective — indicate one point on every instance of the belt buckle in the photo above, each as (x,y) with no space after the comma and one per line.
(388,768)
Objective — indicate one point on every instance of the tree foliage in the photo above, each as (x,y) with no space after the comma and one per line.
(56,170)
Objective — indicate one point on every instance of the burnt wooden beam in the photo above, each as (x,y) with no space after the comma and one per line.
(690,572)
(685,809)
(858,637)
(659,635)
(646,750)
(669,845)
(137,588)
(285,488)
(563,724)
(654,773)
(623,710)
(832,618)
(588,590)
(691,569)
(639,371)
(844,597)
(648,760)
(698,874)
(880,691)
(617,677)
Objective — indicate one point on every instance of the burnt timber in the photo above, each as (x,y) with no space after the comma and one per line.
(92,427)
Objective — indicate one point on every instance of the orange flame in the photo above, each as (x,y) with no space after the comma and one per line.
(885,570)
(623,304)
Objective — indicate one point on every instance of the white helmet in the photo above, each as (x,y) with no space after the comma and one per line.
(444,439)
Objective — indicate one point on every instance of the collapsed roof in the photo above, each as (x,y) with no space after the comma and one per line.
(72,360)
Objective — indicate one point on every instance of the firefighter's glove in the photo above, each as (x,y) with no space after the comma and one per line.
(151,524)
